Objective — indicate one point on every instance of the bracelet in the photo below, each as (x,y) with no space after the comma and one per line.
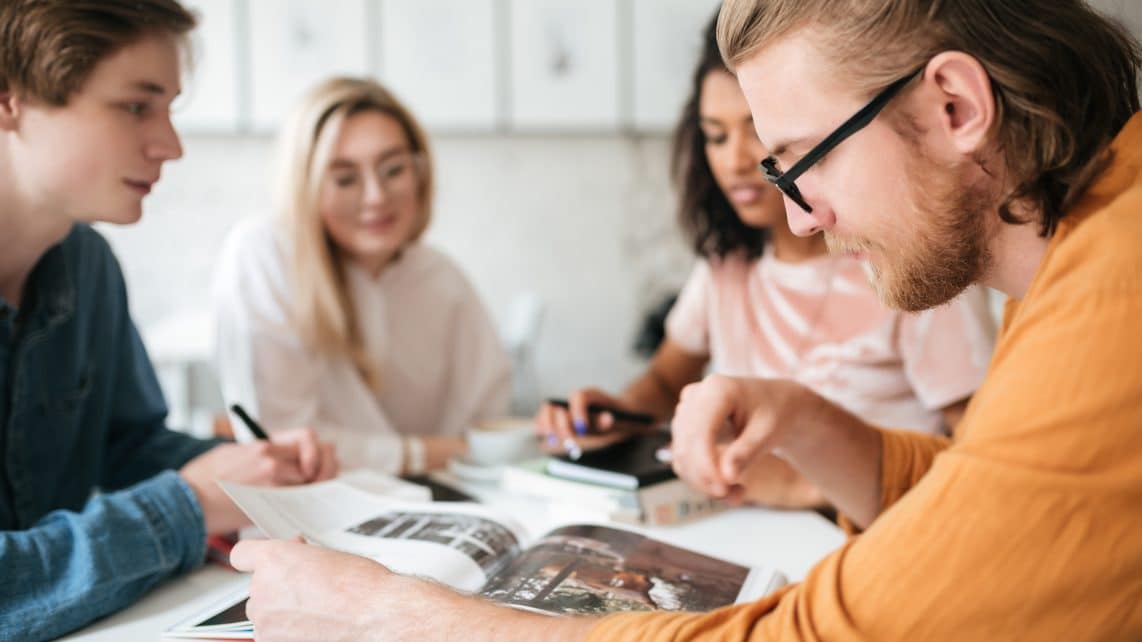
(414,457)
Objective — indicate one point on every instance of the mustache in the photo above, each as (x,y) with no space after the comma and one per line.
(839,245)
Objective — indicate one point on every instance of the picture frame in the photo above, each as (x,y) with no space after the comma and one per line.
(210,102)
(294,44)
(442,58)
(666,41)
(565,66)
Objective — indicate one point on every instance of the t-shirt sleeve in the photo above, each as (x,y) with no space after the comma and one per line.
(688,324)
(946,350)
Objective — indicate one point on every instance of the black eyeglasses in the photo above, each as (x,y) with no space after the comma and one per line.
(785,180)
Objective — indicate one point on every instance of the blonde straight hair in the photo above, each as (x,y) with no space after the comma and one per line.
(321,307)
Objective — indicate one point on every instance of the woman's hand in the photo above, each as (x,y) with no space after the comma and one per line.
(555,424)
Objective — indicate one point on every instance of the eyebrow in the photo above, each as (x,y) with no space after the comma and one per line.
(151,88)
(709,120)
(339,163)
(784,145)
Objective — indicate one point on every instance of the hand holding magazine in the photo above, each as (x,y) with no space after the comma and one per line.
(576,569)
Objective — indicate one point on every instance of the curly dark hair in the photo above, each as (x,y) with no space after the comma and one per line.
(706,215)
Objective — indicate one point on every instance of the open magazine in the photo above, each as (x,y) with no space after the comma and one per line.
(576,569)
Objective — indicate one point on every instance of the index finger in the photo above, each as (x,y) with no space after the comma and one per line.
(330,464)
(308,454)
(577,404)
(697,424)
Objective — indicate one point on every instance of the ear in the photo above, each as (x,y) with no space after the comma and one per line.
(967,102)
(10,107)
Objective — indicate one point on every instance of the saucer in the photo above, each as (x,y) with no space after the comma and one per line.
(463,467)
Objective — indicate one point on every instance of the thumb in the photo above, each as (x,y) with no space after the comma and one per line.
(738,454)
(247,555)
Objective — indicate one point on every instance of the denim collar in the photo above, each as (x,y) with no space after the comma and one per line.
(53,286)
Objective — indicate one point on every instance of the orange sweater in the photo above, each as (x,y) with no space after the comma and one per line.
(1029,526)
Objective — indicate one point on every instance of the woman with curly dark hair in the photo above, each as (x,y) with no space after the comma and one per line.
(763,302)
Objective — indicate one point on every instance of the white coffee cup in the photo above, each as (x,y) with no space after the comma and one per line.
(500,441)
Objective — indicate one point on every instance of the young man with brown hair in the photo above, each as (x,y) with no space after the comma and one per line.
(947,142)
(85,94)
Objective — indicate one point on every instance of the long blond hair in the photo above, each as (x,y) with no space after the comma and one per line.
(321,308)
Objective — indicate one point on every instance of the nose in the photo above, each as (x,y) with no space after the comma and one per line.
(741,154)
(374,191)
(803,223)
(165,145)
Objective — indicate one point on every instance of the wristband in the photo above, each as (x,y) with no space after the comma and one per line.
(414,457)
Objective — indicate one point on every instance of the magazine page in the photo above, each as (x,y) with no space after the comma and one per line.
(458,544)
(585,569)
(285,512)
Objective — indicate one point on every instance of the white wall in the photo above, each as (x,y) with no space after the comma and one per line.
(586,222)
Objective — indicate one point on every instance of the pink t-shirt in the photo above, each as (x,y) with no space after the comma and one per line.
(819,322)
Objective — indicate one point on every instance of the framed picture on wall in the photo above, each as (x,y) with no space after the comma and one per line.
(210,101)
(666,38)
(441,58)
(565,65)
(296,43)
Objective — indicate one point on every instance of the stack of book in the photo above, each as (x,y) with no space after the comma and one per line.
(624,482)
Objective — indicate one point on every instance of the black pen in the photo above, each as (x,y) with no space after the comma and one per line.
(250,423)
(618,414)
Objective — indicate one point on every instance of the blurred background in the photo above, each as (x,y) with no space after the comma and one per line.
(550,121)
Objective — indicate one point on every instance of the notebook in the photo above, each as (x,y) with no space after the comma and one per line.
(628,464)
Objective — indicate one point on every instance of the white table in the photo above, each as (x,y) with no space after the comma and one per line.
(791,541)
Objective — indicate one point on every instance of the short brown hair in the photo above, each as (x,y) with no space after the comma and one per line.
(50,47)
(1065,78)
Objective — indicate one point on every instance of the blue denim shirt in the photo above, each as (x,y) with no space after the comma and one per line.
(81,411)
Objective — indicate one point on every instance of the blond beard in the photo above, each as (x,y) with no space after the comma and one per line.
(948,250)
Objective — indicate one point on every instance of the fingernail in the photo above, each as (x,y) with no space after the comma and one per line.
(552,440)
(580,426)
(573,450)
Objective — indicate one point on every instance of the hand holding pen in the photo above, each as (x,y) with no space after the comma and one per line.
(590,418)
(317,459)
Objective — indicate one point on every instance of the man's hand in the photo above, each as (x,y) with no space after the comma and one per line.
(770,481)
(291,457)
(316,459)
(301,592)
(724,424)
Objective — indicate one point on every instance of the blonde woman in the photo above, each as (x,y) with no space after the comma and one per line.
(335,315)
